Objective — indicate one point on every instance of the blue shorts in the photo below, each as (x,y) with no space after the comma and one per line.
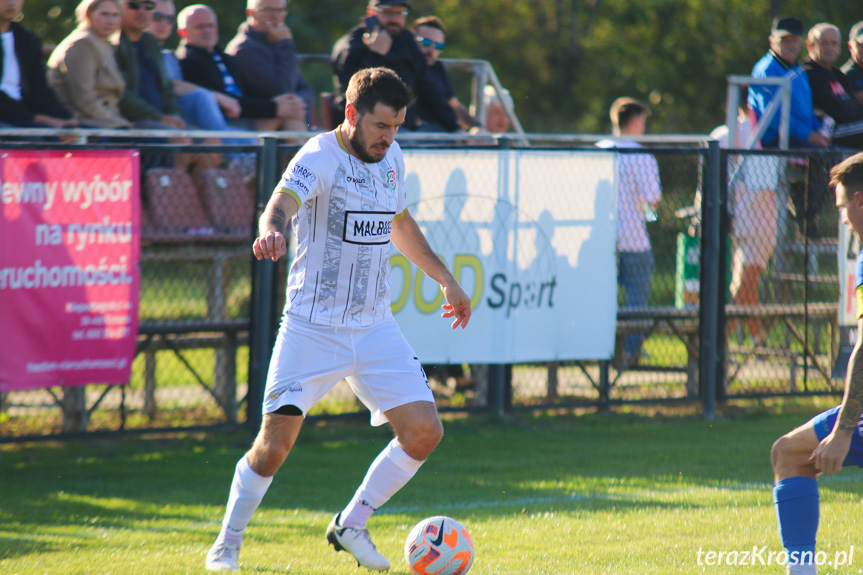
(823,424)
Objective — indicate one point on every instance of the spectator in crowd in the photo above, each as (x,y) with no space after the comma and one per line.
(853,68)
(786,39)
(149,101)
(430,34)
(753,180)
(496,118)
(26,100)
(831,90)
(638,194)
(203,62)
(82,68)
(200,107)
(382,40)
(809,192)
(267,66)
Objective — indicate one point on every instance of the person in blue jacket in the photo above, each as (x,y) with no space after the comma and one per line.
(786,40)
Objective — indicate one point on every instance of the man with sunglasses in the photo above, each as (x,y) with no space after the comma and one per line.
(430,35)
(382,40)
(149,100)
(265,59)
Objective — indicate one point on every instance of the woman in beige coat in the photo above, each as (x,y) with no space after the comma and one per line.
(83,70)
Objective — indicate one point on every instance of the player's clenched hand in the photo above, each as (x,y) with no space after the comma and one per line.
(831,452)
(271,245)
(457,305)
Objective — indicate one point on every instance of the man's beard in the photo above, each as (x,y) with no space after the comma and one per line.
(360,149)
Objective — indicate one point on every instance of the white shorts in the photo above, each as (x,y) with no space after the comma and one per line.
(377,362)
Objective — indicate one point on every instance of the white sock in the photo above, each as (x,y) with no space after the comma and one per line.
(247,491)
(389,472)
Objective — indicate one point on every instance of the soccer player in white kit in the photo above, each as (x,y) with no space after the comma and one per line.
(344,193)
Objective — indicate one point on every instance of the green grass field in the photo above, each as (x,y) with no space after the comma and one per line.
(618,493)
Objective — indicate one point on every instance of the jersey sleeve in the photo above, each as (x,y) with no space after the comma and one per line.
(307,175)
(859,283)
(401,199)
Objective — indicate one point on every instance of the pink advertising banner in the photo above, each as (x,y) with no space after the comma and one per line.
(69,275)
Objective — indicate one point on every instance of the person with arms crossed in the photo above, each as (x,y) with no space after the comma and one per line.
(344,194)
(833,438)
(82,69)
(832,92)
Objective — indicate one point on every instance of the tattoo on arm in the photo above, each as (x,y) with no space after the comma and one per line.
(278,218)
(852,404)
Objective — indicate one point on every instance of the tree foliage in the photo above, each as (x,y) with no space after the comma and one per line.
(564,61)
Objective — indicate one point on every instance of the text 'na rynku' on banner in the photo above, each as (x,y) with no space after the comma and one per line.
(69,267)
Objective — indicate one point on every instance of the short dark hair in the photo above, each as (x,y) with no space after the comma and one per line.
(623,110)
(849,173)
(372,86)
(430,22)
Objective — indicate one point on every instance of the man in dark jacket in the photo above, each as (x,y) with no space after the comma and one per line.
(267,65)
(853,68)
(26,100)
(205,64)
(149,100)
(390,45)
(832,93)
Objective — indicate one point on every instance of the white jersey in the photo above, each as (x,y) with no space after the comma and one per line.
(341,275)
(638,187)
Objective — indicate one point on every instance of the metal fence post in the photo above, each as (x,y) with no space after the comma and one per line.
(710,280)
(261,335)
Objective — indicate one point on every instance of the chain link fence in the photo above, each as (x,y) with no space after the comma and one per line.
(196,362)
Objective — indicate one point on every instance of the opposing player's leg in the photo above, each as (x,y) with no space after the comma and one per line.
(252,477)
(795,492)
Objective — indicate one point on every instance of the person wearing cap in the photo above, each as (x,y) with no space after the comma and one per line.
(382,40)
(266,64)
(853,68)
(786,39)
(831,90)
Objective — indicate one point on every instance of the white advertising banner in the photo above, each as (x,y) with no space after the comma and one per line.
(530,235)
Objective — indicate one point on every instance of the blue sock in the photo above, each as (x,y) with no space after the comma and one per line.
(796,500)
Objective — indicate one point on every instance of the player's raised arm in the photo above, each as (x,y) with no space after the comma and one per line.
(272,227)
(409,239)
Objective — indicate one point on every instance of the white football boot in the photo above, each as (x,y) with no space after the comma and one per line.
(223,557)
(358,543)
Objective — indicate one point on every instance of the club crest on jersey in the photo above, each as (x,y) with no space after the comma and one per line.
(391,179)
(368,228)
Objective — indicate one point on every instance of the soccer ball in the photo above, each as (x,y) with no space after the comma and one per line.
(439,546)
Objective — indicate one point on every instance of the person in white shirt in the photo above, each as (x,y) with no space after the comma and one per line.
(344,193)
(753,181)
(638,194)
